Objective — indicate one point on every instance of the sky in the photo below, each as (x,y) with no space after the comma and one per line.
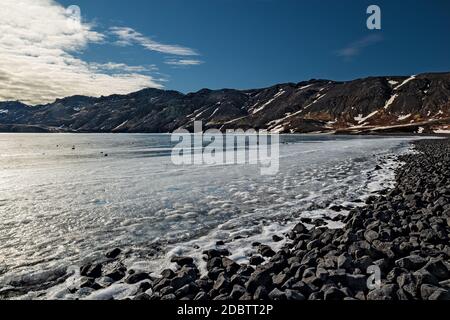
(118,46)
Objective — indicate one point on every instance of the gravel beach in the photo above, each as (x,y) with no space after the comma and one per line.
(403,233)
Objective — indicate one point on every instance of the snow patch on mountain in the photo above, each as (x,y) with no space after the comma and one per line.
(390,101)
(214,112)
(405,82)
(404,117)
(305,87)
(442,131)
(121,125)
(393,83)
(362,119)
(275,97)
(319,97)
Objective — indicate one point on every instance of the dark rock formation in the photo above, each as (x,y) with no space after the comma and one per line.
(406,103)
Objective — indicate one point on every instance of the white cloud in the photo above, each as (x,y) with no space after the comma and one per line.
(129,36)
(121,67)
(183,62)
(38,44)
(357,47)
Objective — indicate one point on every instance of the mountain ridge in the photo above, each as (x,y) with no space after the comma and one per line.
(419,103)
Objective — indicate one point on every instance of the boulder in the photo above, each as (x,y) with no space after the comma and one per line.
(256,260)
(261,277)
(357,282)
(91,270)
(237,292)
(334,294)
(266,251)
(371,235)
(293,295)
(344,261)
(413,262)
(438,269)
(300,228)
(137,277)
(182,261)
(222,283)
(277,294)
(260,293)
(114,253)
(386,292)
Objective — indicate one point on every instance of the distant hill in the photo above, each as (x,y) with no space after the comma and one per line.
(394,104)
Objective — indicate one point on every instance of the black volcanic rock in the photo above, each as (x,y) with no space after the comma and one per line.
(407,103)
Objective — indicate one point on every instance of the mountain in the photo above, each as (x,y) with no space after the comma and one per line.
(405,104)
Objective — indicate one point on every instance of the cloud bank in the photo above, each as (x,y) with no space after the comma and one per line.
(39,43)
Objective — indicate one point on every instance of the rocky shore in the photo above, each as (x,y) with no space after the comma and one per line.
(402,235)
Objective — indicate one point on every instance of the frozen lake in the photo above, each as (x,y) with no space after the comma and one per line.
(62,202)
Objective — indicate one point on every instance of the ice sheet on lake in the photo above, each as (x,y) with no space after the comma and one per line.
(61,206)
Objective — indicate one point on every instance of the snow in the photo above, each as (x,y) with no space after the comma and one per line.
(215,111)
(392,82)
(278,129)
(121,125)
(330,124)
(235,120)
(442,131)
(404,117)
(278,121)
(115,291)
(293,115)
(305,87)
(279,94)
(319,97)
(290,115)
(405,82)
(362,119)
(390,101)
(202,111)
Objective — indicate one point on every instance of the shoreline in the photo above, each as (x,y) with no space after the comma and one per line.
(54,131)
(402,233)
(320,263)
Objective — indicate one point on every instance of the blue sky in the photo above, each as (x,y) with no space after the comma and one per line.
(255,43)
(258,43)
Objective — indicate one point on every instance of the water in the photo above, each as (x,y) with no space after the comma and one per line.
(63,202)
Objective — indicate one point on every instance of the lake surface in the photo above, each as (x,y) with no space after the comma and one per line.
(63,202)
